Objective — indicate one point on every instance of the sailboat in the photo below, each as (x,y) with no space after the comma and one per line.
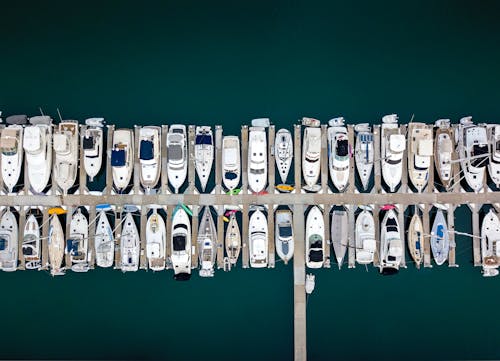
(156,241)
(365,237)
(8,242)
(122,158)
(11,146)
(490,244)
(258,240)
(364,153)
(231,166)
(315,238)
(56,246)
(283,153)
(203,154)
(149,156)
(420,151)
(92,146)
(393,145)
(257,160)
(391,245)
(130,245)
(233,240)
(494,163)
(37,144)
(284,235)
(104,241)
(177,156)
(444,146)
(207,244)
(440,241)
(338,153)
(339,230)
(416,239)
(311,154)
(78,241)
(31,243)
(66,154)
(181,245)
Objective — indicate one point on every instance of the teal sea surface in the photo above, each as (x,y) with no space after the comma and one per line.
(226,62)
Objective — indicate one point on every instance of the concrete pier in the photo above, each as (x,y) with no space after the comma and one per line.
(143,261)
(351,242)
(427,238)
(451,234)
(45,239)
(476,232)
(194,236)
(82,182)
(91,242)
(377,172)
(118,235)
(20,238)
(299,291)
(109,173)
(164,160)
(168,227)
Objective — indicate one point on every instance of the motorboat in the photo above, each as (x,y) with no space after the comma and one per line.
(391,245)
(104,241)
(364,153)
(181,245)
(31,247)
(8,242)
(393,145)
(311,154)
(66,154)
(283,153)
(490,244)
(233,240)
(207,244)
(203,154)
(473,151)
(156,241)
(92,146)
(122,158)
(494,163)
(420,151)
(339,234)
(129,245)
(231,166)
(440,241)
(284,234)
(177,156)
(11,146)
(415,238)
(56,246)
(365,237)
(37,144)
(78,242)
(444,146)
(257,159)
(338,153)
(149,157)
(315,238)
(258,240)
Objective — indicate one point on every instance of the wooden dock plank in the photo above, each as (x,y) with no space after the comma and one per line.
(299,294)
(271,160)
(376,165)
(220,238)
(376,216)
(351,185)
(164,160)
(118,235)
(191,160)
(271,240)
(67,234)
(109,174)
(92,226)
(82,183)
(45,238)
(324,159)
(218,159)
(136,178)
(402,232)
(244,159)
(194,236)
(20,238)
(476,232)
(245,252)
(297,144)
(143,261)
(404,176)
(351,242)
(451,227)
(427,239)
(168,227)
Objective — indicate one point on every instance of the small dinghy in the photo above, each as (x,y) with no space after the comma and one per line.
(233,240)
(440,242)
(156,242)
(283,153)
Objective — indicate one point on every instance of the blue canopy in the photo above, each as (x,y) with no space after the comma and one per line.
(146,150)
(118,158)
(204,139)
(3,244)
(231,175)
(72,246)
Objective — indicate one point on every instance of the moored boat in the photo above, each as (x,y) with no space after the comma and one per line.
(365,237)
(440,242)
(490,244)
(393,145)
(122,158)
(257,160)
(177,156)
(78,240)
(420,151)
(92,146)
(258,239)
(338,153)
(203,154)
(284,234)
(311,154)
(415,238)
(315,238)
(391,245)
(181,245)
(231,163)
(364,153)
(233,240)
(149,157)
(56,246)
(207,244)
(494,144)
(31,246)
(339,233)
(283,153)
(129,245)
(156,241)
(444,146)
(11,147)
(104,241)
(8,241)
(66,154)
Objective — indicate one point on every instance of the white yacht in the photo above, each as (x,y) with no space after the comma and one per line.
(257,160)
(440,241)
(444,146)
(66,154)
(494,164)
(311,154)
(393,145)
(56,246)
(473,152)
(338,153)
(129,244)
(11,145)
(156,241)
(104,241)
(207,244)
(364,153)
(233,240)
(78,241)
(490,244)
(391,245)
(284,234)
(420,151)
(203,154)
(8,242)
(149,156)
(177,156)
(315,238)
(415,238)
(122,158)
(181,245)
(258,240)
(92,146)
(365,237)
(339,234)
(231,166)
(283,153)
(37,143)
(32,250)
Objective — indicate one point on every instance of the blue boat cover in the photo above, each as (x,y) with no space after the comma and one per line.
(231,175)
(72,246)
(3,244)
(439,231)
(118,158)
(204,139)
(146,150)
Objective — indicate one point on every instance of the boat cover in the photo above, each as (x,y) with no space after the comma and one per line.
(392,225)
(175,152)
(146,150)
(61,143)
(177,130)
(41,119)
(369,245)
(3,244)
(230,175)
(342,148)
(285,248)
(88,143)
(230,156)
(316,255)
(204,139)
(17,119)
(478,150)
(72,246)
(397,143)
(118,158)
(179,242)
(285,231)
(32,141)
(27,250)
(425,148)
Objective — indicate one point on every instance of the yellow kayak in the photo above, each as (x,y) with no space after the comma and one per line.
(284,187)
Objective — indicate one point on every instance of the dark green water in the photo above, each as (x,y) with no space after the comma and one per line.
(225,63)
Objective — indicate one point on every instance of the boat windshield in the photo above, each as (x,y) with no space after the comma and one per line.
(230,175)
(477,151)
(392,225)
(285,231)
(205,139)
(257,171)
(179,242)
(146,150)
(342,148)
(315,256)
(118,158)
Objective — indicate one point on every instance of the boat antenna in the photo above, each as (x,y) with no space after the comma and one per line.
(59,113)
(41,111)
(412,117)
